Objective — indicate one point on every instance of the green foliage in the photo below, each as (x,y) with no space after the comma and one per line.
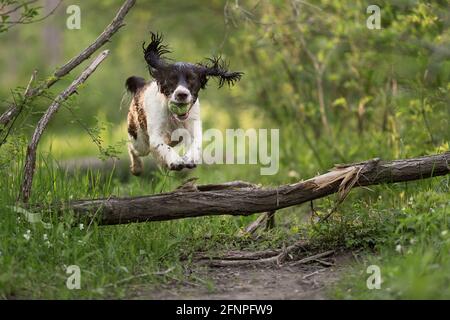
(414,258)
(337,91)
(34,258)
(23,11)
(356,225)
(388,86)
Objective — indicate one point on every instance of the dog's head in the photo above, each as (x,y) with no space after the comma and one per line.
(181,82)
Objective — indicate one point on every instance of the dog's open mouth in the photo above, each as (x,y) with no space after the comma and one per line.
(179,110)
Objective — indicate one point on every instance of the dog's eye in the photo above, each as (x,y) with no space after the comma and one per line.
(190,77)
(173,78)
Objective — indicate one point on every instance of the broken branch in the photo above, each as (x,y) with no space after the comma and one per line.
(255,258)
(252,199)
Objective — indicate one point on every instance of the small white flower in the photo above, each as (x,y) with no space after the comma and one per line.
(45,237)
(398,248)
(27,235)
(293,174)
(81,226)
(48,244)
(444,233)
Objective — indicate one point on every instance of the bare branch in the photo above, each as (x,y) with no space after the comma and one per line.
(104,37)
(30,162)
(312,258)
(26,95)
(277,257)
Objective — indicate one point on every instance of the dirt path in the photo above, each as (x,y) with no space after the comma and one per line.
(301,282)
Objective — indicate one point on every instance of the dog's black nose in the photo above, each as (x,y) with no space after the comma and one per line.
(181,96)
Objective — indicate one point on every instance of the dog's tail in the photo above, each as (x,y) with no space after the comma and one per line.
(134,84)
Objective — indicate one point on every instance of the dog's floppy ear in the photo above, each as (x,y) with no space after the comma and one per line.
(217,67)
(153,53)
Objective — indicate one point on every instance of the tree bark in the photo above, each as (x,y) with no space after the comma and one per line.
(246,199)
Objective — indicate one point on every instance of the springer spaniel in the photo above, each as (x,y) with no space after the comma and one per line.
(168,103)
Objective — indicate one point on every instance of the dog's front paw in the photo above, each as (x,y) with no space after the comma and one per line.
(176,165)
(181,163)
(189,163)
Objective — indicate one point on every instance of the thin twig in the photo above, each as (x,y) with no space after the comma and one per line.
(14,9)
(255,225)
(142,275)
(26,95)
(279,258)
(13,23)
(103,38)
(270,221)
(312,258)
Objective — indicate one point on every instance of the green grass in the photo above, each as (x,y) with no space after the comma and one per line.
(34,259)
(376,222)
(411,246)
(385,95)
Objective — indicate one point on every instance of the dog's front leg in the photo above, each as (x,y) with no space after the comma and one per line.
(165,153)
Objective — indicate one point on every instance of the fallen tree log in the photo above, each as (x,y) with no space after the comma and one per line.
(241,198)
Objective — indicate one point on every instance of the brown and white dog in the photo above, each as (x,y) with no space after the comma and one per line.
(168,103)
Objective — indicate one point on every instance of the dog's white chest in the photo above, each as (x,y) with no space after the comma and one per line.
(159,120)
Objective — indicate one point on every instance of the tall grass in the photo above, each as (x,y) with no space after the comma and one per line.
(34,256)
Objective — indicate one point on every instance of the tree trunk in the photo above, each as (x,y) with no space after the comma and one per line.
(245,199)
(51,36)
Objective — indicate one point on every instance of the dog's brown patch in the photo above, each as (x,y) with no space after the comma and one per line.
(137,119)
(132,126)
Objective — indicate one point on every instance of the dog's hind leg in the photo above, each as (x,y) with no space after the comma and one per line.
(137,165)
(138,145)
